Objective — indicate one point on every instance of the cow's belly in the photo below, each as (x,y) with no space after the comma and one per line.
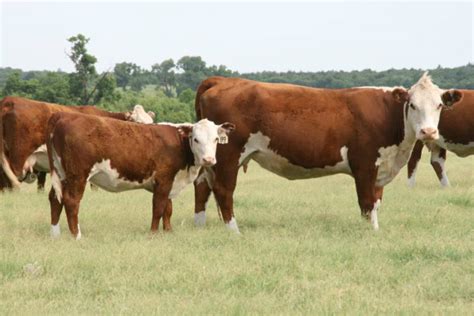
(38,160)
(107,178)
(461,150)
(258,150)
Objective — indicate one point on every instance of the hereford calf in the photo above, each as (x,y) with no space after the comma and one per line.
(299,133)
(23,124)
(118,156)
(456,134)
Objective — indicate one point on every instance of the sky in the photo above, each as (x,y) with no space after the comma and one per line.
(244,36)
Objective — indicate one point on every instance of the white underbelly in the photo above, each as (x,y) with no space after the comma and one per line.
(107,178)
(462,150)
(257,148)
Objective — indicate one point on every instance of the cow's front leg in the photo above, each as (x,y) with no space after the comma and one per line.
(202,191)
(413,162)
(369,196)
(167,216)
(161,193)
(438,158)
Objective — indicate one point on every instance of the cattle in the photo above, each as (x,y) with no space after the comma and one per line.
(456,129)
(23,125)
(118,156)
(299,133)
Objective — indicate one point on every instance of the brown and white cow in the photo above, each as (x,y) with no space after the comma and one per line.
(118,156)
(456,130)
(299,132)
(23,123)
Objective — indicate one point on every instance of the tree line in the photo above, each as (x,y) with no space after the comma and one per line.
(168,87)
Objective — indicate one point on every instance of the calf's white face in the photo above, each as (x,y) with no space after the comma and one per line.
(424,102)
(203,139)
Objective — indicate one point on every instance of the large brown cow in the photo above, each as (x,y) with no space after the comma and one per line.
(456,134)
(298,132)
(118,156)
(23,125)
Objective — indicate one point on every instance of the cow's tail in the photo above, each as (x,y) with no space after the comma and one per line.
(3,158)
(57,171)
(203,87)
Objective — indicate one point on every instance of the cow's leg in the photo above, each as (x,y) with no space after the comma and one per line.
(438,158)
(56,209)
(41,181)
(167,216)
(160,202)
(202,191)
(369,196)
(413,163)
(73,191)
(223,189)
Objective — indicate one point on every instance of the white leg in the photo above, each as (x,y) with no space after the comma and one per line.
(232,225)
(412,180)
(79,235)
(200,219)
(373,215)
(55,231)
(437,159)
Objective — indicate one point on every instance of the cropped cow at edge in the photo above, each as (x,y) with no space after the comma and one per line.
(23,125)
(299,132)
(118,156)
(456,130)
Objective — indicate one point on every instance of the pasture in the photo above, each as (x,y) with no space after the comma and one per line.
(304,249)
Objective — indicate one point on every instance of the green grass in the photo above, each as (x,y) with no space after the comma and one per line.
(304,249)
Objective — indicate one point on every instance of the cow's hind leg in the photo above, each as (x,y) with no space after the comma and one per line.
(413,163)
(438,158)
(202,191)
(73,191)
(56,209)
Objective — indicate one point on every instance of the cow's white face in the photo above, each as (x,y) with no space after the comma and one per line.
(140,116)
(423,103)
(203,139)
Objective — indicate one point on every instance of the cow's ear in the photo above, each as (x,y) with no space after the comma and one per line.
(400,95)
(185,130)
(151,114)
(451,97)
(128,116)
(224,130)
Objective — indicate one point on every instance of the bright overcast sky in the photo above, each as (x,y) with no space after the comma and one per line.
(244,36)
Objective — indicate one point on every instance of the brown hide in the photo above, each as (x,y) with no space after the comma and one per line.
(24,125)
(306,126)
(136,151)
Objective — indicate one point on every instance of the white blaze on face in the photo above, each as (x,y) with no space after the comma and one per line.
(140,116)
(204,139)
(424,108)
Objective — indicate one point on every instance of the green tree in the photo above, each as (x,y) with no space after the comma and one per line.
(165,76)
(123,73)
(84,63)
(194,71)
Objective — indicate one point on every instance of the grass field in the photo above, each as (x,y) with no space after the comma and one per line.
(304,249)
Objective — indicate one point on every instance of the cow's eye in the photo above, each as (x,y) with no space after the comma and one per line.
(440,106)
(412,106)
(196,141)
(216,140)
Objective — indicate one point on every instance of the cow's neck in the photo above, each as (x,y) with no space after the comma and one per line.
(393,158)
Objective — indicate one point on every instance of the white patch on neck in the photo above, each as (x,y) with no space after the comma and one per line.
(257,148)
(182,179)
(105,177)
(232,225)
